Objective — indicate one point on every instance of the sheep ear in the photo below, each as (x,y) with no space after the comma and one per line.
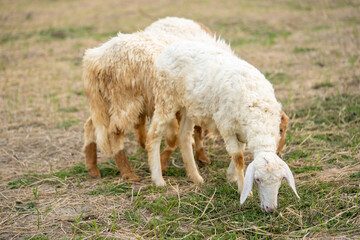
(248,182)
(290,178)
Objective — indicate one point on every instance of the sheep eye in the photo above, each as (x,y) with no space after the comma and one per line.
(257,180)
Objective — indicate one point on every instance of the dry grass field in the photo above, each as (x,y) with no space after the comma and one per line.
(309,50)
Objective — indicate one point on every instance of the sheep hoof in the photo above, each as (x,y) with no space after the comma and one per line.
(143,145)
(160,182)
(94,173)
(201,157)
(198,180)
(231,177)
(132,177)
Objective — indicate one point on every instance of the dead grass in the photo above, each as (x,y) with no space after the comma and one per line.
(309,50)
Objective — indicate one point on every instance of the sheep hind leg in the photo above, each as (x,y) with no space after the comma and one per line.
(200,155)
(124,166)
(91,160)
(122,162)
(140,130)
(90,149)
(171,143)
(185,132)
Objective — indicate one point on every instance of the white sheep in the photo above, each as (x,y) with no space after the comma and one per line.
(118,78)
(215,89)
(183,28)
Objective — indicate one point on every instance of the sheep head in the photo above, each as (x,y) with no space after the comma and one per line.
(267,171)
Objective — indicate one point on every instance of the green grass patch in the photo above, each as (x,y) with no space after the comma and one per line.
(69,109)
(320,63)
(267,35)
(323,85)
(53,34)
(25,180)
(8,37)
(297,154)
(355,175)
(300,6)
(218,164)
(303,49)
(352,60)
(76,61)
(93,226)
(244,41)
(25,207)
(215,209)
(38,237)
(29,180)
(78,170)
(320,28)
(322,111)
(111,189)
(256,33)
(331,127)
(66,124)
(176,172)
(79,93)
(63,33)
(107,169)
(278,78)
(308,169)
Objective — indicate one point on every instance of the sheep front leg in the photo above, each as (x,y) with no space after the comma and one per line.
(185,135)
(236,150)
(90,149)
(238,160)
(153,142)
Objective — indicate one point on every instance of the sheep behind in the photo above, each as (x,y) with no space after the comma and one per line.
(118,85)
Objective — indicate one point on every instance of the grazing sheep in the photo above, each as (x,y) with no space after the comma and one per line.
(103,74)
(171,25)
(215,89)
(178,27)
(118,78)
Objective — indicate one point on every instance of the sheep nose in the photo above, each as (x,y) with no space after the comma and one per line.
(269,210)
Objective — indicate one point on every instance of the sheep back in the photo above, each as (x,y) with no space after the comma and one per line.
(215,85)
